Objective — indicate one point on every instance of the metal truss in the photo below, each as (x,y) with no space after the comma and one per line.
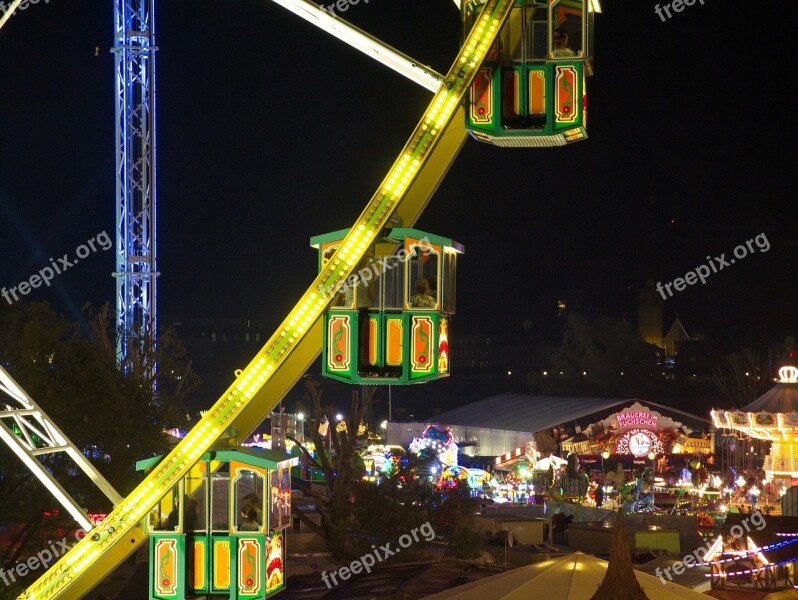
(31,434)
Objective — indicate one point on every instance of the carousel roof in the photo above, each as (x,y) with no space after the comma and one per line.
(781,398)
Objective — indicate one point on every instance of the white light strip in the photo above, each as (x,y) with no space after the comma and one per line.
(32,419)
(10,11)
(42,475)
(11,387)
(368,44)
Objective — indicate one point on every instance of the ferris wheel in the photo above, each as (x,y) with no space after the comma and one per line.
(518,80)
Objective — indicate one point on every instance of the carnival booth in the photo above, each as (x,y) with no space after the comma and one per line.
(640,458)
(639,432)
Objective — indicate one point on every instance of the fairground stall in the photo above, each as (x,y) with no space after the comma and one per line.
(644,461)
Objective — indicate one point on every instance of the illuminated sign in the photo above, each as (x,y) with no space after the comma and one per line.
(636,418)
(788,375)
(275,561)
(638,442)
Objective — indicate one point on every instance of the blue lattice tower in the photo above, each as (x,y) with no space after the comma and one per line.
(136,268)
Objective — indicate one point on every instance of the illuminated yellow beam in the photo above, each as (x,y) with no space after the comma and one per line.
(440,113)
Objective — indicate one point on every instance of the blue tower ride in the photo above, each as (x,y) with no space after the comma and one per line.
(136,268)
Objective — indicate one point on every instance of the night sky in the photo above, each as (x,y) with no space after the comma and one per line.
(271,131)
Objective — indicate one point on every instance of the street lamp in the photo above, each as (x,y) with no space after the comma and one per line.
(605,454)
(301,418)
(339,417)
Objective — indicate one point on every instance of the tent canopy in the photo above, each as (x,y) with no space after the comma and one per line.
(533,414)
(574,576)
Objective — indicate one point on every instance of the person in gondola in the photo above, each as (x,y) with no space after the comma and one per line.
(561,48)
(423,297)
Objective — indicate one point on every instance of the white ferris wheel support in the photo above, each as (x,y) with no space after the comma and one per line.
(368,44)
(10,11)
(30,433)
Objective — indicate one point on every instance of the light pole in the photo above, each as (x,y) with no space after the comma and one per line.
(305,467)
(604,454)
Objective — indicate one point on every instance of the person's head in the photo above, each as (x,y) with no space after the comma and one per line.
(422,286)
(249,513)
(560,37)
(250,502)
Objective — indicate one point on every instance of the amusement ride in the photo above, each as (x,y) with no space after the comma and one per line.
(514,83)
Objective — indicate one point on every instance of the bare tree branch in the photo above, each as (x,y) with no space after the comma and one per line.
(744,379)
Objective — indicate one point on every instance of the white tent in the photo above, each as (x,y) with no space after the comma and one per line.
(575,576)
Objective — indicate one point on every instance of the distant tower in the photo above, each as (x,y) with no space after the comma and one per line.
(136,269)
(649,300)
(649,314)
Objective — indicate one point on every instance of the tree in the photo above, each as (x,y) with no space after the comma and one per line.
(336,457)
(744,379)
(113,418)
(401,501)
(605,357)
(394,505)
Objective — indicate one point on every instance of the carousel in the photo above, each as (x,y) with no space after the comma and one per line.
(772,417)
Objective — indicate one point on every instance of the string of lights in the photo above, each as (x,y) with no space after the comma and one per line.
(751,571)
(746,554)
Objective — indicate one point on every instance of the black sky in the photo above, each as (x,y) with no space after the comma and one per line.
(270,131)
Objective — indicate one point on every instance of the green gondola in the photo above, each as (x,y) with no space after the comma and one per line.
(390,322)
(530,90)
